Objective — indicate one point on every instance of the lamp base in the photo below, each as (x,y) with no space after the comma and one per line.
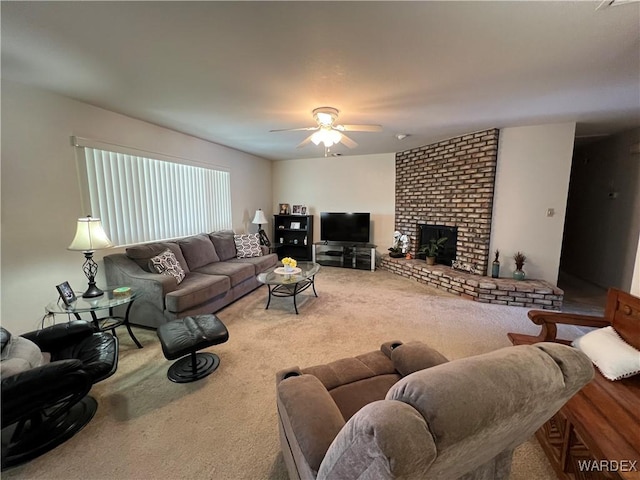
(92,291)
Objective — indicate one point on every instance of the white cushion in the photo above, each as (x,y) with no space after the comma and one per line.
(248,245)
(614,357)
(19,355)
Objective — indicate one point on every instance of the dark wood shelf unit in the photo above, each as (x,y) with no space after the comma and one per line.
(296,243)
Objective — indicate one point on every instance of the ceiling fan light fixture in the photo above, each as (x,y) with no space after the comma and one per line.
(327,136)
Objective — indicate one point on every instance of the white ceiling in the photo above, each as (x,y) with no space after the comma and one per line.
(229,72)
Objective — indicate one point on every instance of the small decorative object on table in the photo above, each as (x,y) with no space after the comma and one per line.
(122,291)
(495,266)
(66,293)
(519,258)
(289,264)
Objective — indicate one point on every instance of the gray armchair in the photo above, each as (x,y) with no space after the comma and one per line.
(405,412)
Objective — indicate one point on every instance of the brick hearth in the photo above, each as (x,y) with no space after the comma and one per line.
(501,291)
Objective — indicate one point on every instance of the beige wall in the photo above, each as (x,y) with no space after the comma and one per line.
(360,183)
(41,195)
(532,176)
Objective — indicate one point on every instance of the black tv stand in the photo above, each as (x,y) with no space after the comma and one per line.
(345,254)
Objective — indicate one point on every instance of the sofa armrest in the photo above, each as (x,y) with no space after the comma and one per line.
(548,322)
(149,309)
(61,335)
(309,418)
(540,317)
(413,356)
(386,439)
(121,270)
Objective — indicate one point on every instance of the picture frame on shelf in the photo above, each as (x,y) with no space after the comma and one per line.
(284,209)
(295,226)
(303,210)
(297,209)
(66,293)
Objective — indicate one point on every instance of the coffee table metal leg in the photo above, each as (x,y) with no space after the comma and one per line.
(269,299)
(295,291)
(313,285)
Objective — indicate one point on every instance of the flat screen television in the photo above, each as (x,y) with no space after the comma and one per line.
(344,227)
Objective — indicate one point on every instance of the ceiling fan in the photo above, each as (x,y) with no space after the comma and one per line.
(327,133)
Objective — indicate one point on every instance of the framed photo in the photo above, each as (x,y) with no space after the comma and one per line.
(66,293)
(295,226)
(284,209)
(299,210)
(303,210)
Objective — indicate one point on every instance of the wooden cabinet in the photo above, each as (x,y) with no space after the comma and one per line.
(293,236)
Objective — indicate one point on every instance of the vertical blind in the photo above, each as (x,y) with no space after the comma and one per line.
(141,199)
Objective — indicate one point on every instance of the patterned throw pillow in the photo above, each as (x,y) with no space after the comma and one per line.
(166,263)
(248,245)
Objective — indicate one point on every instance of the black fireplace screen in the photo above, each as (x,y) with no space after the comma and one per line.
(447,254)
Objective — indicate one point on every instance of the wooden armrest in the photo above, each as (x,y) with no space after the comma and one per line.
(548,321)
(540,317)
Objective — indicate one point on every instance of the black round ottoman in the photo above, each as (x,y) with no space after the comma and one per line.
(185,337)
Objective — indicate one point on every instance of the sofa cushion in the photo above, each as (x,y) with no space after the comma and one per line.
(260,264)
(141,254)
(195,289)
(198,251)
(247,245)
(237,272)
(166,263)
(224,244)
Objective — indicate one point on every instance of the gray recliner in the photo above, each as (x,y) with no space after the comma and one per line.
(405,412)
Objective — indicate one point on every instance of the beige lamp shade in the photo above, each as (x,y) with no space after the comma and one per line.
(90,236)
(259,218)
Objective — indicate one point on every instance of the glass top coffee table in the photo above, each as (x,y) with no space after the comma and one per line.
(282,284)
(113,297)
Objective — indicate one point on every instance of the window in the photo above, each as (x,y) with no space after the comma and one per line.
(141,199)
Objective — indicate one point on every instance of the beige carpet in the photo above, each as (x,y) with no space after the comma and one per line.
(224,426)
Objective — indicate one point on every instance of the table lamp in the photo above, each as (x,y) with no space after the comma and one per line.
(90,236)
(259,219)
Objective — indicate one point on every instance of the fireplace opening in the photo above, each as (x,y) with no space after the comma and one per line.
(447,254)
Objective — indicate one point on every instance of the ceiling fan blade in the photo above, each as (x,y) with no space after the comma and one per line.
(359,128)
(307,129)
(305,142)
(348,142)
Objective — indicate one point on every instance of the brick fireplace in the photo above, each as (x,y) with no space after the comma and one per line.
(450,184)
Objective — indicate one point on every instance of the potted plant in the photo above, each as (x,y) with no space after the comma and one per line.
(432,248)
(519,258)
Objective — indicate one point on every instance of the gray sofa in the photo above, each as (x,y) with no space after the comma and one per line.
(215,277)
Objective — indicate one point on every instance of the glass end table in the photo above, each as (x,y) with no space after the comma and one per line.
(107,301)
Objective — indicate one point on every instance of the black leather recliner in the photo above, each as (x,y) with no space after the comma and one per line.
(46,405)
